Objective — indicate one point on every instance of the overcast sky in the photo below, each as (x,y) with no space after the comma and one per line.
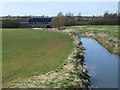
(52,8)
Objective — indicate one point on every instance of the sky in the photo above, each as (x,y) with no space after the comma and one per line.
(52,8)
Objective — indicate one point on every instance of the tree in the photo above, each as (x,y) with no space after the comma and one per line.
(69,14)
(79,16)
(60,14)
(106,14)
(69,19)
(58,21)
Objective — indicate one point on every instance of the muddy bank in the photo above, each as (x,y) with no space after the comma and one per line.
(71,74)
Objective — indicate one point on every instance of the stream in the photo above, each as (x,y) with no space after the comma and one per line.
(102,66)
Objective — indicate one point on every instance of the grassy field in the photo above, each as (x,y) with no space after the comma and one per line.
(14,19)
(106,35)
(28,52)
(111,30)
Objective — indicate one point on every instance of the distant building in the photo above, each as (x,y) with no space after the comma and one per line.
(43,22)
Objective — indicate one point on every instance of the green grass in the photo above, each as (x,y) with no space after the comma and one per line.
(8,18)
(27,52)
(25,19)
(111,30)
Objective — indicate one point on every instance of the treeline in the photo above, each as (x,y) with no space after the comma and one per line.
(11,24)
(17,21)
(61,20)
(107,19)
(69,20)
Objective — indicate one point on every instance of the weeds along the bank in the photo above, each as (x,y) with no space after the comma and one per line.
(111,44)
(106,35)
(71,74)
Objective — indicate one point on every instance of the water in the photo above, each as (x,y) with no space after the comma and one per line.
(39,28)
(101,65)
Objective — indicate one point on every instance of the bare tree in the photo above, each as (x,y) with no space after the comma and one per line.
(58,21)
(79,14)
(69,19)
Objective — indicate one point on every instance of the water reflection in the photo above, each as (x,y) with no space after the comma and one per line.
(101,65)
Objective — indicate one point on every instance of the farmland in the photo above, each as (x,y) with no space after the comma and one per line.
(106,35)
(22,19)
(28,52)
